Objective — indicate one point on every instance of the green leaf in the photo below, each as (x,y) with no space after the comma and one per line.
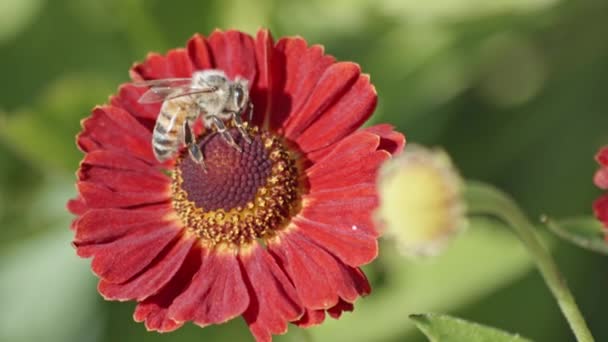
(443,328)
(584,232)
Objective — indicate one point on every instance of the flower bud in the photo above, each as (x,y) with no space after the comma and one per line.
(421,202)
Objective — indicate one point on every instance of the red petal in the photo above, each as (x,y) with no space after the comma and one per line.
(113,128)
(153,278)
(298,68)
(180,64)
(234,52)
(77,206)
(216,294)
(342,118)
(155,316)
(318,276)
(175,64)
(316,317)
(391,141)
(199,52)
(352,161)
(336,311)
(601,178)
(266,85)
(119,260)
(600,207)
(99,196)
(602,156)
(333,84)
(353,246)
(127,99)
(273,300)
(154,311)
(118,161)
(143,180)
(343,208)
(311,318)
(106,225)
(306,266)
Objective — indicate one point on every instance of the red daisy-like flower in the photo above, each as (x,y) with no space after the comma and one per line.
(600,206)
(275,233)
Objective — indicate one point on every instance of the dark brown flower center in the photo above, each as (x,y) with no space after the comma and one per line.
(243,195)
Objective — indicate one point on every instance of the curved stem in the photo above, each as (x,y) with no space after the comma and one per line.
(486,200)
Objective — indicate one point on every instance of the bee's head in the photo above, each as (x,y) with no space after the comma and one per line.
(241,93)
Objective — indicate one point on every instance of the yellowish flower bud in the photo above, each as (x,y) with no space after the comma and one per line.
(421,203)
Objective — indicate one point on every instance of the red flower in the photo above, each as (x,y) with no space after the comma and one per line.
(600,207)
(275,233)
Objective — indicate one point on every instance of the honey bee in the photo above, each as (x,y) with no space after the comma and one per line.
(208,93)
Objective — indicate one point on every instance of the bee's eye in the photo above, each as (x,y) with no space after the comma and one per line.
(239,96)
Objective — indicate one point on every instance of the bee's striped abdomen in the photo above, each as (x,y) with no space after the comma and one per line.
(166,135)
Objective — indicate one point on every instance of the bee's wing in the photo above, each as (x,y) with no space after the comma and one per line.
(160,94)
(164,82)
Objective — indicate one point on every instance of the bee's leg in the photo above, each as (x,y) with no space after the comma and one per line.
(238,123)
(221,129)
(250,113)
(193,149)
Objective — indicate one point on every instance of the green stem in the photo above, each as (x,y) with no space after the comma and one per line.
(486,200)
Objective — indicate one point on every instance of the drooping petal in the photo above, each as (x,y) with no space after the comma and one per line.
(156,275)
(333,84)
(391,141)
(216,294)
(316,317)
(274,301)
(154,315)
(234,53)
(311,318)
(336,311)
(298,68)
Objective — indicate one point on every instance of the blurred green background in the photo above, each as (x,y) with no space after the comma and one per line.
(514,90)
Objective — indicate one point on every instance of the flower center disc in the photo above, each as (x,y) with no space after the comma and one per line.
(243,195)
